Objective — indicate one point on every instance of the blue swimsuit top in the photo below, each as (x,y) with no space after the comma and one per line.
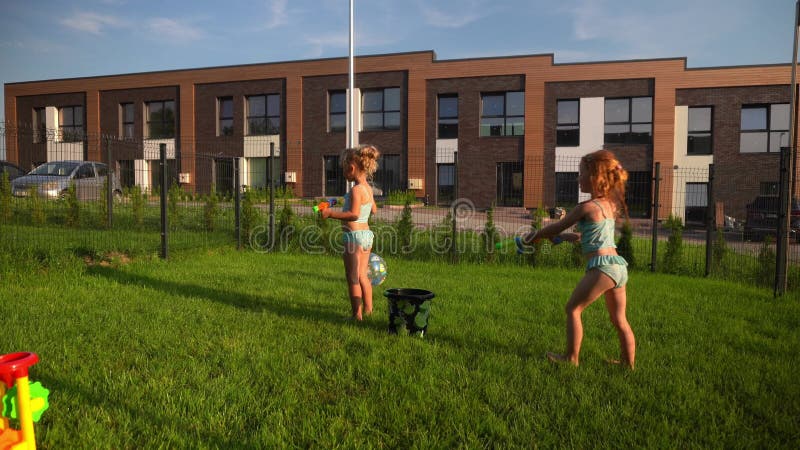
(597,235)
(366,208)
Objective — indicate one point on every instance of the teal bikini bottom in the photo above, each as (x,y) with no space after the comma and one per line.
(363,238)
(614,266)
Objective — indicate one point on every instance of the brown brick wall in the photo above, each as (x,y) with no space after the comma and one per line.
(319,142)
(31,154)
(737,175)
(477,156)
(632,157)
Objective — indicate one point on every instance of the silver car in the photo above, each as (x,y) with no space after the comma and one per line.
(52,180)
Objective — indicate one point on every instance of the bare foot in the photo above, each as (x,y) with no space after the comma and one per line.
(619,362)
(557,358)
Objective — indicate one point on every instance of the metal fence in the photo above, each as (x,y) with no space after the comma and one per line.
(164,199)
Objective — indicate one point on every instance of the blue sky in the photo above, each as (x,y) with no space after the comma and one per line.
(46,39)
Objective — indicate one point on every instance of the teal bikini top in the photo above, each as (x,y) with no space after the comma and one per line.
(366,208)
(597,235)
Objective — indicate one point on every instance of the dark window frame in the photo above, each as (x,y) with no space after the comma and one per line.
(337,113)
(564,130)
(450,128)
(629,136)
(72,132)
(39,125)
(768,130)
(270,128)
(124,124)
(690,142)
(222,128)
(383,111)
(505,116)
(163,123)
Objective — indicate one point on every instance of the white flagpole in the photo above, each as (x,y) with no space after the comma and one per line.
(350,87)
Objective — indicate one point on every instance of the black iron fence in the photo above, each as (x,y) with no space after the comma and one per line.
(103,198)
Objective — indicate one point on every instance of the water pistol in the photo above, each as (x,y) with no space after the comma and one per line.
(323,205)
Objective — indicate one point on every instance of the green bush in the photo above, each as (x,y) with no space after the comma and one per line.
(73,207)
(674,253)
(401,197)
(490,236)
(5,199)
(719,251)
(36,205)
(137,198)
(249,215)
(625,244)
(405,229)
(210,210)
(174,196)
(537,221)
(285,227)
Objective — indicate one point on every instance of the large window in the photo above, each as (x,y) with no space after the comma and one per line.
(699,136)
(39,125)
(509,183)
(225,116)
(503,114)
(764,128)
(568,126)
(448,116)
(126,120)
(161,119)
(263,114)
(70,123)
(380,109)
(629,120)
(337,111)
(566,189)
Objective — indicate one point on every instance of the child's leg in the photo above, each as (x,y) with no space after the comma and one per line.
(616,301)
(350,257)
(363,280)
(591,286)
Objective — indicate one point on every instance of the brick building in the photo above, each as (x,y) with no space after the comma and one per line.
(505,128)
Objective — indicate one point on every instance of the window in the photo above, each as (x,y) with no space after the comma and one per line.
(263,114)
(126,120)
(566,188)
(39,126)
(509,183)
(380,109)
(699,139)
(696,203)
(337,111)
(446,183)
(448,116)
(127,177)
(225,116)
(161,119)
(334,178)
(387,177)
(764,128)
(629,120)
(568,124)
(70,123)
(503,114)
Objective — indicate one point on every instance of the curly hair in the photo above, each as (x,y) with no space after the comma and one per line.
(607,176)
(364,156)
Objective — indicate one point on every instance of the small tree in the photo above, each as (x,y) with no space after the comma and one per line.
(674,254)
(5,198)
(625,244)
(73,207)
(490,236)
(537,221)
(210,209)
(286,225)
(405,228)
(765,274)
(137,206)
(36,206)
(174,195)
(249,215)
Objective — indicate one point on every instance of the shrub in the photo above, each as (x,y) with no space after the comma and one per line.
(286,225)
(137,206)
(537,221)
(249,214)
(36,206)
(210,210)
(719,250)
(5,198)
(674,253)
(765,274)
(174,195)
(405,228)
(490,236)
(73,207)
(625,244)
(401,197)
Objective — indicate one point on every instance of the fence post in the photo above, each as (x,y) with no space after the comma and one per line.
(271,195)
(711,219)
(110,186)
(237,203)
(163,184)
(782,243)
(656,188)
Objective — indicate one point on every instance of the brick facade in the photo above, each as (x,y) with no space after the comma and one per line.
(32,154)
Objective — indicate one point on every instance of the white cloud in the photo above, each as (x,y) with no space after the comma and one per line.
(91,22)
(173,30)
(278,14)
(468,12)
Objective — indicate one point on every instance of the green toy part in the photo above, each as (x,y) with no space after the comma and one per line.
(37,392)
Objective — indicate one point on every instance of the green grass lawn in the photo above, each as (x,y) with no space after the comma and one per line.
(226,349)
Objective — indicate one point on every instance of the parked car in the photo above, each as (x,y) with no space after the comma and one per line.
(12,170)
(762,218)
(52,180)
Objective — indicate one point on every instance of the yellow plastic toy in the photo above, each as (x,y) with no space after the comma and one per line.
(22,401)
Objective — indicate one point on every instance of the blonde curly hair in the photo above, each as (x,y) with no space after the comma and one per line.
(364,156)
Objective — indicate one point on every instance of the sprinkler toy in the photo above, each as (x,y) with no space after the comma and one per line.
(517,241)
(21,400)
(324,205)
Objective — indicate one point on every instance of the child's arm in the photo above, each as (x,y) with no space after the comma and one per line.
(554,229)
